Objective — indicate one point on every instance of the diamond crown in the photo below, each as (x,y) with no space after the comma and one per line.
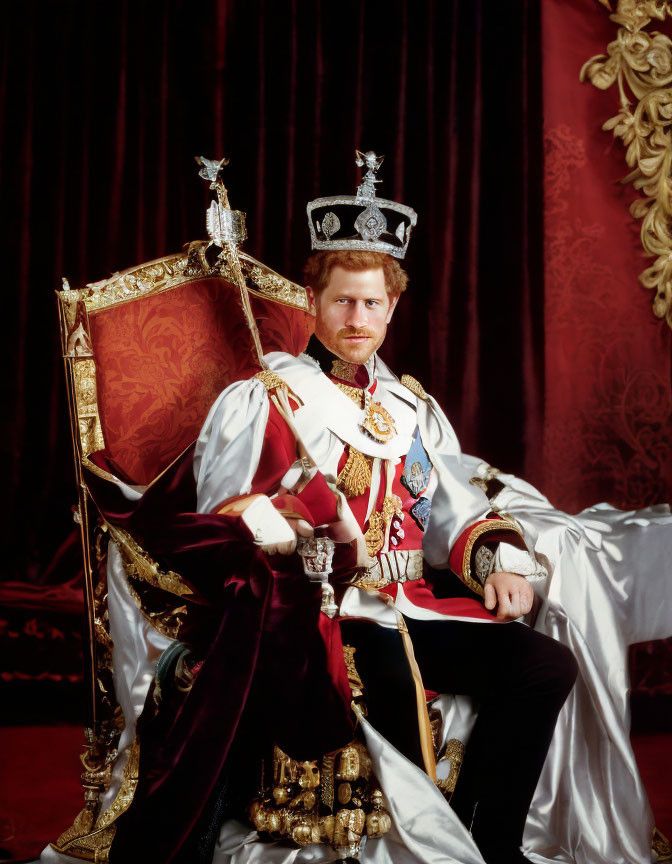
(361,221)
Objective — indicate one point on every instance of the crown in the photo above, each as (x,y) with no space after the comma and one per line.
(379,225)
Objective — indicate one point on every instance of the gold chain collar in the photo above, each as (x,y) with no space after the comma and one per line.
(357,394)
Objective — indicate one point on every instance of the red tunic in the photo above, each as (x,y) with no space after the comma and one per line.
(318,505)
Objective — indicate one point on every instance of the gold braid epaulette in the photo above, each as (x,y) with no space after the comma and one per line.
(271,380)
(414,386)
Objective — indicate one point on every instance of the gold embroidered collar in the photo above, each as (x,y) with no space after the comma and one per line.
(344,370)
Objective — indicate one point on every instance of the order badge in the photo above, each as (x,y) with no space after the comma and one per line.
(379,423)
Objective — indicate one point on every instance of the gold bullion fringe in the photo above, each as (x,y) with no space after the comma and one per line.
(336,801)
(335,804)
(355,476)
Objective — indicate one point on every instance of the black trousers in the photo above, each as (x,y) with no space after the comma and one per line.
(520,679)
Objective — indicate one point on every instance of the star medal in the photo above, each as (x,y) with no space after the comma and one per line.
(378,423)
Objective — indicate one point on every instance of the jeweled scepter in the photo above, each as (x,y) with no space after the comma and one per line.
(317,555)
(226,228)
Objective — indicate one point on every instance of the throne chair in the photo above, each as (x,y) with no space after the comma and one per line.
(146,352)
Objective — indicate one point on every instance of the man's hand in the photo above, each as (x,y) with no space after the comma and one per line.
(510,593)
(300,527)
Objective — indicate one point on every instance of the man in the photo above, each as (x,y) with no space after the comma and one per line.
(333,440)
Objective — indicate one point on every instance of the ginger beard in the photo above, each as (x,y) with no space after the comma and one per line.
(352,313)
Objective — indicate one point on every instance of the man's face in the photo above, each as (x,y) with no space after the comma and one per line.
(352,313)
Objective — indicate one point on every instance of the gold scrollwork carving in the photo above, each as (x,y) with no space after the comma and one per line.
(454,755)
(138,281)
(76,338)
(126,791)
(143,575)
(173,270)
(114,718)
(641,62)
(166,618)
(138,564)
(88,838)
(85,385)
(83,839)
(272,285)
(86,400)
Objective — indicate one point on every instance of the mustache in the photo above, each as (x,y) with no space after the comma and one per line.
(353,331)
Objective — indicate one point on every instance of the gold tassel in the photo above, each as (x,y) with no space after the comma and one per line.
(355,476)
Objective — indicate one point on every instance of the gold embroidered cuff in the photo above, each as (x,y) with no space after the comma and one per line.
(477,536)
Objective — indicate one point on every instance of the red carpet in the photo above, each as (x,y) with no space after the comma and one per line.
(654,757)
(40,791)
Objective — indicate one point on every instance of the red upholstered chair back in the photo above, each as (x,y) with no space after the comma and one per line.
(163,356)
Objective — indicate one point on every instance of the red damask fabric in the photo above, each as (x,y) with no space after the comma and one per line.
(608,397)
(162,360)
(282,328)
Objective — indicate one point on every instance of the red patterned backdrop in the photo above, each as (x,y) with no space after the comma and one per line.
(608,393)
(607,428)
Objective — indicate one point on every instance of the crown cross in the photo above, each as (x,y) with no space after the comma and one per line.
(367,188)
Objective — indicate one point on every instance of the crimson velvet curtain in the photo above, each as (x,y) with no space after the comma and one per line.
(103,106)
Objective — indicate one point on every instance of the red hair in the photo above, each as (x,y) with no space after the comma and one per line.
(318,268)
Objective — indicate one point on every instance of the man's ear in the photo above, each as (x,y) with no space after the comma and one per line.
(393,303)
(311,299)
